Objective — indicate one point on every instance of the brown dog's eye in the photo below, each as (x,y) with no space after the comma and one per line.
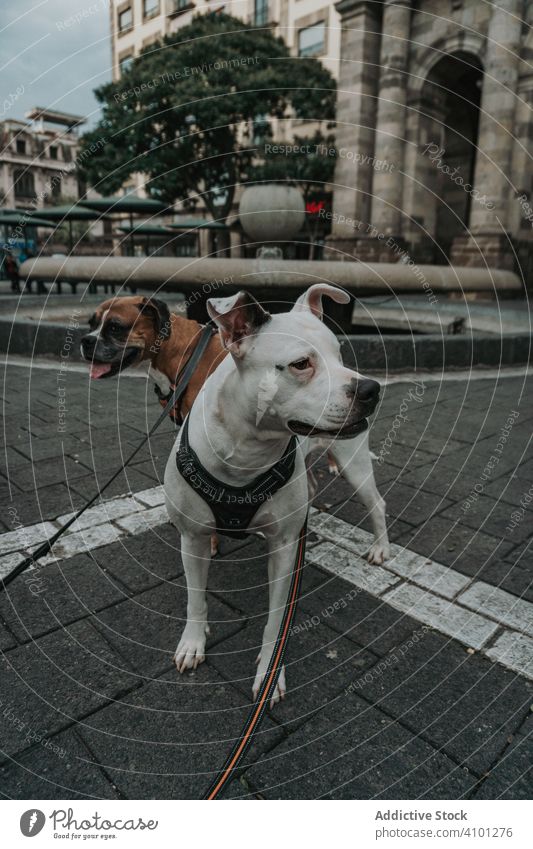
(115,327)
(301,365)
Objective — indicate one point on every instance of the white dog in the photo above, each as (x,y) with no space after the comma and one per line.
(237,453)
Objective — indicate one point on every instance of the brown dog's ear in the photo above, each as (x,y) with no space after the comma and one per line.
(237,317)
(159,313)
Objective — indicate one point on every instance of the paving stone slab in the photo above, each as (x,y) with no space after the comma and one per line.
(319,665)
(142,521)
(56,445)
(47,503)
(500,605)
(83,541)
(46,472)
(355,514)
(489,515)
(45,598)
(514,650)
(53,681)
(127,483)
(22,538)
(59,767)
(463,703)
(7,640)
(440,479)
(143,561)
(512,776)
(8,562)
(351,750)
(426,573)
(240,578)
(456,545)
(170,737)
(145,630)
(444,615)
(413,506)
(154,468)
(369,622)
(107,511)
(352,567)
(151,497)
(510,576)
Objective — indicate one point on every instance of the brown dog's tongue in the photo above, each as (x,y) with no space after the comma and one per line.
(99,369)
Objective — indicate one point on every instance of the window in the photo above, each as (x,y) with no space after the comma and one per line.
(261,129)
(311,40)
(150,8)
(55,183)
(24,184)
(53,153)
(260,12)
(125,20)
(21,146)
(125,63)
(175,6)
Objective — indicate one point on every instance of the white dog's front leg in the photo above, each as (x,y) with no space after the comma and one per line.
(355,462)
(196,555)
(280,566)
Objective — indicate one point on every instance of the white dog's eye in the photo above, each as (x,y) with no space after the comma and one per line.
(301,365)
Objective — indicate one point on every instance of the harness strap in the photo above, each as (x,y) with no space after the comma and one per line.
(181,386)
(233,507)
(175,408)
(270,680)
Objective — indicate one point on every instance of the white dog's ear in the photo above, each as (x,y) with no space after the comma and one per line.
(238,318)
(312,299)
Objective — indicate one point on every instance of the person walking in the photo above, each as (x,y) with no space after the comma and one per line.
(12,271)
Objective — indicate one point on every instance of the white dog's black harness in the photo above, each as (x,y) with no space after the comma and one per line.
(233,507)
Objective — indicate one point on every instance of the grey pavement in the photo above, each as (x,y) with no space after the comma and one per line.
(387,696)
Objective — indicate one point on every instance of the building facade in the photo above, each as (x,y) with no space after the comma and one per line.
(434,132)
(434,117)
(37,161)
(309,27)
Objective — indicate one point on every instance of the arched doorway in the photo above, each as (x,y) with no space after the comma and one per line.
(446,141)
(461,81)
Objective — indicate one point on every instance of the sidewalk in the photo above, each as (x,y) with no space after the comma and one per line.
(414,680)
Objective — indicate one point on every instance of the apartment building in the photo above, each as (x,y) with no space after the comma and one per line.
(309,27)
(38,159)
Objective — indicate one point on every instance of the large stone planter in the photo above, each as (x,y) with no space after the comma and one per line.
(271,212)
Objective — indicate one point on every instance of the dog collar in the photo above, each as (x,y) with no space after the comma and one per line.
(233,507)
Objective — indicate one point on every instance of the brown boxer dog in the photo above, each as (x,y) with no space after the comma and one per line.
(127,331)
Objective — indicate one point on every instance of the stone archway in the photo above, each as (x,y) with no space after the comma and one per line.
(462,85)
(446,134)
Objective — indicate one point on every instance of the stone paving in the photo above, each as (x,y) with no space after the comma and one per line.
(414,680)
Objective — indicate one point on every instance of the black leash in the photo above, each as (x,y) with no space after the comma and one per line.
(180,389)
(270,680)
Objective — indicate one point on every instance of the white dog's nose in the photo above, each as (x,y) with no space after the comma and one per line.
(363,390)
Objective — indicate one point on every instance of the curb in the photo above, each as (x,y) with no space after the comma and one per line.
(390,353)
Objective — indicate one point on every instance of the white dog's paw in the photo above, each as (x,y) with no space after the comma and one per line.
(281,688)
(379,553)
(191,648)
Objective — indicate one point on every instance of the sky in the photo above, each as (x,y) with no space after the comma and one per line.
(53,53)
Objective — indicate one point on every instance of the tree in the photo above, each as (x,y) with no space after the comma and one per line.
(184,112)
(306,162)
